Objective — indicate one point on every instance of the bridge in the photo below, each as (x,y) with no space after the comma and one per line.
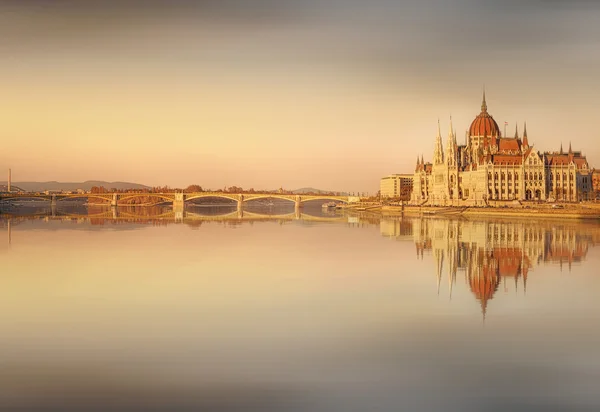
(116,215)
(178,199)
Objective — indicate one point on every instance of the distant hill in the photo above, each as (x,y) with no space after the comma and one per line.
(313,190)
(87,185)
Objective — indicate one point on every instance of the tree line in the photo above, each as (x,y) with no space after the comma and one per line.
(198,188)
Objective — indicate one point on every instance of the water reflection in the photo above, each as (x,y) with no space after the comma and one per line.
(167,214)
(149,309)
(491,253)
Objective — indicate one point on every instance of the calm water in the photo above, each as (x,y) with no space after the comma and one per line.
(212,310)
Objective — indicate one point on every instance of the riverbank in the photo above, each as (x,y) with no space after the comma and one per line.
(565,212)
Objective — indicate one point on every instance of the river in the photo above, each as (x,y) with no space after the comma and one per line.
(276,310)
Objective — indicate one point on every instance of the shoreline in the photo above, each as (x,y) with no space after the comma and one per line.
(576,212)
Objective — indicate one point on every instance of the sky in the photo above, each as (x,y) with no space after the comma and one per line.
(265,94)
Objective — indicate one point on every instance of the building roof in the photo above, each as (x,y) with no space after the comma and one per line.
(503,159)
(564,159)
(509,145)
(484,287)
(484,124)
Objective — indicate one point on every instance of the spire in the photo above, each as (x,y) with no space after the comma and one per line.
(516,131)
(438,154)
(439,259)
(561,149)
(570,150)
(451,146)
(422,159)
(450,281)
(525,141)
(483,103)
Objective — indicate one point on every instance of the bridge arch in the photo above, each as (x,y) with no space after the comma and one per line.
(164,197)
(25,197)
(331,198)
(234,198)
(88,196)
(289,198)
(228,215)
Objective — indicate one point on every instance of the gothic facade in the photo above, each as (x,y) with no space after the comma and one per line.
(490,167)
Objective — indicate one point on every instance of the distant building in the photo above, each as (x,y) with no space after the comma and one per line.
(596,183)
(491,167)
(397,186)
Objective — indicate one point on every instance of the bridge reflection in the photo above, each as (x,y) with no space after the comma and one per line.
(167,215)
(493,253)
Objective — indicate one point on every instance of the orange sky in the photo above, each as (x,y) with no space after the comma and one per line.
(282,94)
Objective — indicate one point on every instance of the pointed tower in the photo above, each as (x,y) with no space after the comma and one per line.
(483,103)
(439,261)
(422,159)
(570,150)
(561,149)
(451,149)
(438,154)
(516,131)
(525,141)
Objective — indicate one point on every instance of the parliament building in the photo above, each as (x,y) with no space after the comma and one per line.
(491,169)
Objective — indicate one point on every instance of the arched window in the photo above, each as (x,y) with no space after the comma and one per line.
(496,175)
(489,176)
(502,177)
(509,176)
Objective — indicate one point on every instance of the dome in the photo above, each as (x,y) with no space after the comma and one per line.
(484,124)
(484,286)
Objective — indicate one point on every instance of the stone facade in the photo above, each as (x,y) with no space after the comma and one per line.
(492,168)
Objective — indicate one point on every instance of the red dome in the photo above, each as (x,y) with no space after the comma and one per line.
(484,124)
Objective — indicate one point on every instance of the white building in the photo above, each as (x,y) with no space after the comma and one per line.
(490,167)
(396,186)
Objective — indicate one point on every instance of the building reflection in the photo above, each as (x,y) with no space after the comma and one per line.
(493,253)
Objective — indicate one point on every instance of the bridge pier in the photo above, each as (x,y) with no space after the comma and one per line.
(115,200)
(53,201)
(115,213)
(240,203)
(298,204)
(179,214)
(179,201)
